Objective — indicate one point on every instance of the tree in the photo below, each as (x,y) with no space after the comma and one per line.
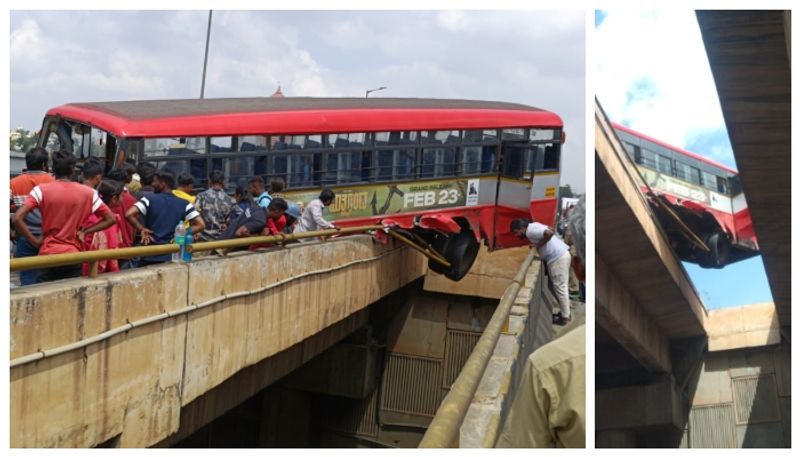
(22,140)
(565,191)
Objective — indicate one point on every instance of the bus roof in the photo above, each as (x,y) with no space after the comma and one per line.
(674,148)
(298,115)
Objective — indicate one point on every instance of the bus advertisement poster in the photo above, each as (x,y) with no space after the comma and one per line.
(379,199)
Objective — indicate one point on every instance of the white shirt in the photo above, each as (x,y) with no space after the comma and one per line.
(551,250)
(312,219)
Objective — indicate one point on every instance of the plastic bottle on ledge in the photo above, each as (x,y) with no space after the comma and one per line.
(180,239)
(186,252)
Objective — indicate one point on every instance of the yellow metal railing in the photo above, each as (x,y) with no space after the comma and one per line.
(93,257)
(59,260)
(444,428)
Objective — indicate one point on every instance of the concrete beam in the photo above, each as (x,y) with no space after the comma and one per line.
(619,314)
(743,326)
(633,246)
(749,55)
(639,407)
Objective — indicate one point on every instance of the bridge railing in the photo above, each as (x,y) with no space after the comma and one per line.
(60,260)
(444,428)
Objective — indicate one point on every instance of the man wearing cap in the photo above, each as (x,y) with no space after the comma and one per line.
(555,254)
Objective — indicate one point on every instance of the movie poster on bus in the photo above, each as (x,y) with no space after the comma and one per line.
(391,198)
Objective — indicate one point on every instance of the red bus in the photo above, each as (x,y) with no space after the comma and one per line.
(452,173)
(705,195)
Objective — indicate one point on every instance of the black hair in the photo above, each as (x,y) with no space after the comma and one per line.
(146,175)
(326,195)
(278,204)
(63,164)
(145,166)
(277,184)
(242,191)
(129,169)
(36,159)
(167,177)
(517,224)
(108,189)
(92,167)
(119,175)
(185,179)
(256,180)
(216,177)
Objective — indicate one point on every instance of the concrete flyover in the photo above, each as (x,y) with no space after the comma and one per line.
(117,359)
(750,57)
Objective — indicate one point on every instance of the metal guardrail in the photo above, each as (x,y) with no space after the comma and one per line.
(93,257)
(444,428)
(59,260)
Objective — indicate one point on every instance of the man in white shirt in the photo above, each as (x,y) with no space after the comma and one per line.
(556,254)
(312,219)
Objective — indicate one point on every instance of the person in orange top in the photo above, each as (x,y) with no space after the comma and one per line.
(65,205)
(111,237)
(22,185)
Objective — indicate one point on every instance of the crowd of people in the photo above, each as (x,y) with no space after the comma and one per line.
(73,210)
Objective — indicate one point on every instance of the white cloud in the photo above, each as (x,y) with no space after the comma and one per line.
(534,58)
(663,53)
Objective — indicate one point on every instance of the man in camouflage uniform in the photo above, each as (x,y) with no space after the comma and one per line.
(215,206)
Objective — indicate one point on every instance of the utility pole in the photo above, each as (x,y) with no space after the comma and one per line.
(205,61)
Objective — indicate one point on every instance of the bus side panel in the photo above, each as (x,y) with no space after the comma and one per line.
(544,211)
(503,236)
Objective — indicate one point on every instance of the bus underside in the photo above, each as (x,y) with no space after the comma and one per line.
(696,235)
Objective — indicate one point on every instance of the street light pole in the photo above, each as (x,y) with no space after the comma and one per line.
(205,61)
(374,90)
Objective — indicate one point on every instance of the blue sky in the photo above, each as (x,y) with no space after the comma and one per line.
(80,56)
(660,83)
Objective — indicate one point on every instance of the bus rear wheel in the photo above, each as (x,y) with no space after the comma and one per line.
(720,250)
(460,250)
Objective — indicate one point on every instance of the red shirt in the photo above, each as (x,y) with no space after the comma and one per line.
(109,238)
(273,227)
(126,200)
(65,205)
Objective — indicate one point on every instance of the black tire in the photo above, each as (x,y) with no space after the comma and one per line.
(720,253)
(460,250)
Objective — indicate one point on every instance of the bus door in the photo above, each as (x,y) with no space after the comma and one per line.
(514,184)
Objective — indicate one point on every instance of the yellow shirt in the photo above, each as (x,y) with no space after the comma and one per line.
(181,194)
(549,409)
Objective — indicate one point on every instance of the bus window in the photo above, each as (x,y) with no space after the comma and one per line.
(722,185)
(514,156)
(252,143)
(710,181)
(471,160)
(551,157)
(157,147)
(513,134)
(301,167)
(664,164)
(647,158)
(427,165)
(687,172)
(488,159)
(384,164)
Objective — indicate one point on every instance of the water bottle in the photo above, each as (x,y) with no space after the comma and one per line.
(187,253)
(180,239)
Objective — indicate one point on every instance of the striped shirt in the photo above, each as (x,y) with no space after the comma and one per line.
(162,212)
(64,205)
(21,187)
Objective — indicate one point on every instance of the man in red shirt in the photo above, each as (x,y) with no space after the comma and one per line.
(22,185)
(64,205)
(276,221)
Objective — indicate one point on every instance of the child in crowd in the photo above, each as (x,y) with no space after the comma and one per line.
(111,237)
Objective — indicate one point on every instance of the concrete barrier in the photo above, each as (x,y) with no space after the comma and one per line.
(130,387)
